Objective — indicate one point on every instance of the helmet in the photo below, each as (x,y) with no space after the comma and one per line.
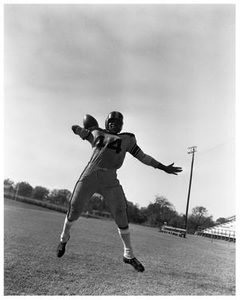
(118,120)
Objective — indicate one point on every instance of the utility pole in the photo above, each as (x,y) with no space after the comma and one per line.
(192,150)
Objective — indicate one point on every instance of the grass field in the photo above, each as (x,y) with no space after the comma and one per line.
(92,264)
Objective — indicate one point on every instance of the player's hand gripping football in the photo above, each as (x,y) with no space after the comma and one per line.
(170,169)
(74,128)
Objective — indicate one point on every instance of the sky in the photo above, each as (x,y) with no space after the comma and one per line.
(170,70)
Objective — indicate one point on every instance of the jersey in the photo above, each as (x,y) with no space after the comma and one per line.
(109,150)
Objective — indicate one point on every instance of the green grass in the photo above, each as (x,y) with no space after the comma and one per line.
(92,264)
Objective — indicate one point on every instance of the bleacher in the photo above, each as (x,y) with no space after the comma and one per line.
(173,230)
(225,231)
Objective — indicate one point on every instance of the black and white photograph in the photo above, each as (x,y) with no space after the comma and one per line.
(119,149)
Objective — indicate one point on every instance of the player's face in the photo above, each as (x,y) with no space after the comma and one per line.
(114,126)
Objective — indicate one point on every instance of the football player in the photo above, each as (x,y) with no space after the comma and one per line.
(100,176)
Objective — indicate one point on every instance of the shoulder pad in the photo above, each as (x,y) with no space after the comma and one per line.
(127,133)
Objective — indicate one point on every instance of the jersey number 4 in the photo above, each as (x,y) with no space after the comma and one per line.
(115,145)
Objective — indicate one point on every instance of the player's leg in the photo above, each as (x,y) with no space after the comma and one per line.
(81,194)
(117,204)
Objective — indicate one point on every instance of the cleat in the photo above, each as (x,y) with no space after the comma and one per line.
(135,263)
(61,248)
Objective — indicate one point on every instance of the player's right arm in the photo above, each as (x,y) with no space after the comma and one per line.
(84,133)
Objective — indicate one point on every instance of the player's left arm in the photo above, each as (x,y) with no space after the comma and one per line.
(150,161)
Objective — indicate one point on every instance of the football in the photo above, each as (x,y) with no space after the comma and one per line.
(89,122)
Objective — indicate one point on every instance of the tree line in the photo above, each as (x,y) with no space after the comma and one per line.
(156,214)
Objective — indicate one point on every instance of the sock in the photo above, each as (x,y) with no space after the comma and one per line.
(66,230)
(125,237)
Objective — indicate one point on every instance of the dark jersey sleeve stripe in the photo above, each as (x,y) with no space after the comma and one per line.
(135,150)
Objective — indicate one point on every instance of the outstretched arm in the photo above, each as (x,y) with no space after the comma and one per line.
(150,161)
